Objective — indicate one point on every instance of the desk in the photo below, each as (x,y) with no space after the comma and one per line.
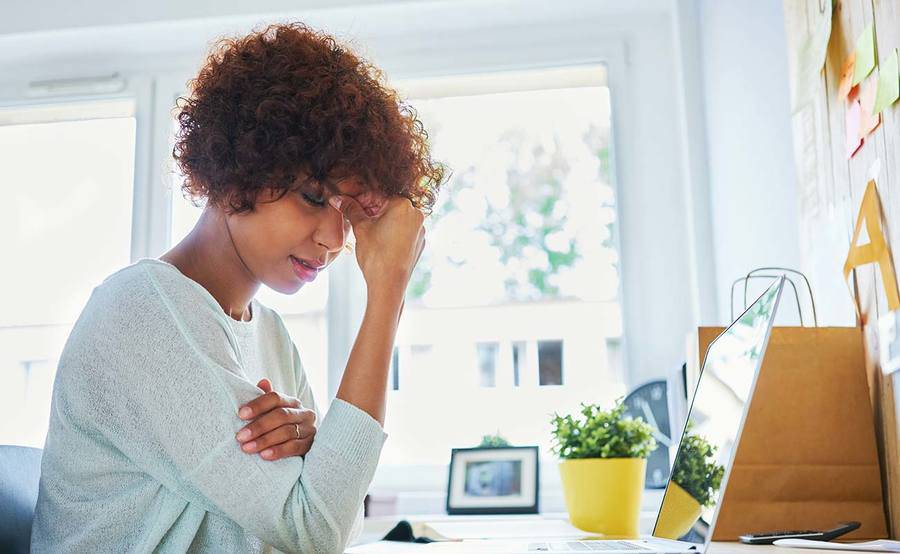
(376,527)
(714,548)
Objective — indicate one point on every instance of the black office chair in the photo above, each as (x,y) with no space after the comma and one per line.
(20,472)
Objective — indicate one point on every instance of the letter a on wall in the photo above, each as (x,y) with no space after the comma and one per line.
(876,250)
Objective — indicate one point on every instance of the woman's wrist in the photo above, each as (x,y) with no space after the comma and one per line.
(385,297)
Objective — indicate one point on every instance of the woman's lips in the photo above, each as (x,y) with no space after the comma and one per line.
(303,271)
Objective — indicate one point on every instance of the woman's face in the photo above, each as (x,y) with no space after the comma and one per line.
(287,242)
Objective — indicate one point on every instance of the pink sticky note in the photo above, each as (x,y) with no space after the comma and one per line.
(854,115)
(868,121)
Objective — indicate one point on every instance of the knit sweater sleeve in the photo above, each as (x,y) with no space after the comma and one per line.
(159,379)
(305,394)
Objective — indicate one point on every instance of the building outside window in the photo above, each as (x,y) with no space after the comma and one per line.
(517,290)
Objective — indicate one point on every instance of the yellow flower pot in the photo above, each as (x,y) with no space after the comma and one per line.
(678,513)
(603,495)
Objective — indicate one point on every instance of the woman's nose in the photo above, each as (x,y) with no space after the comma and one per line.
(332,230)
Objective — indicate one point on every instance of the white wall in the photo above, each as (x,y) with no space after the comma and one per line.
(752,182)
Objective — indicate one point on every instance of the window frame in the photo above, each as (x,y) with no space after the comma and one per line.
(150,212)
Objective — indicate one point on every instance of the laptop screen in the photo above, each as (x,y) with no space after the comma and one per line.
(714,422)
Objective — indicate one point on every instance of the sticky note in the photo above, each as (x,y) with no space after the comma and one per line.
(869,119)
(810,58)
(888,83)
(844,85)
(865,55)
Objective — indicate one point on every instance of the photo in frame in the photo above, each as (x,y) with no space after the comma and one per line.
(493,480)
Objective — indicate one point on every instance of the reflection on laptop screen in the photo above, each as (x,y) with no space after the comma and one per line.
(714,422)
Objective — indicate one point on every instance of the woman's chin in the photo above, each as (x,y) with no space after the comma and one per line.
(289,287)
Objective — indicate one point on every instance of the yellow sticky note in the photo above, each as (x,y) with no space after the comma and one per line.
(865,55)
(888,83)
(876,250)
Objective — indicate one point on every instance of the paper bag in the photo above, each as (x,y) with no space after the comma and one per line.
(807,457)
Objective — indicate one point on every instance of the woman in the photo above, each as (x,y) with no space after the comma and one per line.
(159,439)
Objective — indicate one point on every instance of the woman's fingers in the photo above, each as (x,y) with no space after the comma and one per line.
(265,403)
(279,435)
(283,417)
(288,449)
(352,210)
(281,428)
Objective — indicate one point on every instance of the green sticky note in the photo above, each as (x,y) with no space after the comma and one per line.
(865,55)
(888,83)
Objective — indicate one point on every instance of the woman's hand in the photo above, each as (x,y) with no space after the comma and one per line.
(389,240)
(281,427)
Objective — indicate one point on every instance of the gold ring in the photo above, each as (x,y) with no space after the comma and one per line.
(297,427)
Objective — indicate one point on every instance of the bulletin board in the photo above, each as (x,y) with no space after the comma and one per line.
(832,175)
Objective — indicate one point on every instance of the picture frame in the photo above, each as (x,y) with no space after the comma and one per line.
(493,480)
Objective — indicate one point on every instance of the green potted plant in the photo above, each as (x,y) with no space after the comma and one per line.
(493,441)
(696,479)
(603,461)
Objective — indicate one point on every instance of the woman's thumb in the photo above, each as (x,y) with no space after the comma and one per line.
(351,209)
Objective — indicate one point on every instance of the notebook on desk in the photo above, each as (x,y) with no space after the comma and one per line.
(719,406)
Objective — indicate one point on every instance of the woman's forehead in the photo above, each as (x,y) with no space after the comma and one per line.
(346,184)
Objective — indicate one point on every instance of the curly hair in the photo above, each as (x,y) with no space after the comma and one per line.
(289,101)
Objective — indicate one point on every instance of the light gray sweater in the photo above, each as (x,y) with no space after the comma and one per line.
(141,453)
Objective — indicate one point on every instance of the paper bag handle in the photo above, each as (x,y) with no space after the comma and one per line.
(752,274)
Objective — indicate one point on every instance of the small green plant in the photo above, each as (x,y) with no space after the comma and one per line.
(696,470)
(489,441)
(602,434)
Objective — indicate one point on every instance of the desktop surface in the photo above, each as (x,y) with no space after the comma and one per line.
(376,527)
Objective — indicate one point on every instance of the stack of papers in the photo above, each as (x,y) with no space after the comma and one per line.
(871,546)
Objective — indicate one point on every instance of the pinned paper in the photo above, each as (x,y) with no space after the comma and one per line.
(854,118)
(876,250)
(888,83)
(874,171)
(888,343)
(845,84)
(811,57)
(868,119)
(865,55)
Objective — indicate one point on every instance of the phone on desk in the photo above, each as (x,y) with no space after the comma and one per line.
(769,538)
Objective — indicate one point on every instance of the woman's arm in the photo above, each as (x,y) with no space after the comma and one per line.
(387,249)
(364,383)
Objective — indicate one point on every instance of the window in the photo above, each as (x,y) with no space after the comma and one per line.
(521,258)
(518,359)
(395,369)
(550,362)
(70,173)
(487,363)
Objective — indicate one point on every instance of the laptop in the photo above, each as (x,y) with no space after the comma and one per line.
(719,406)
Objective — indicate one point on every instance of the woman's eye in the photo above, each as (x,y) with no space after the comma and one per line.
(314,201)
